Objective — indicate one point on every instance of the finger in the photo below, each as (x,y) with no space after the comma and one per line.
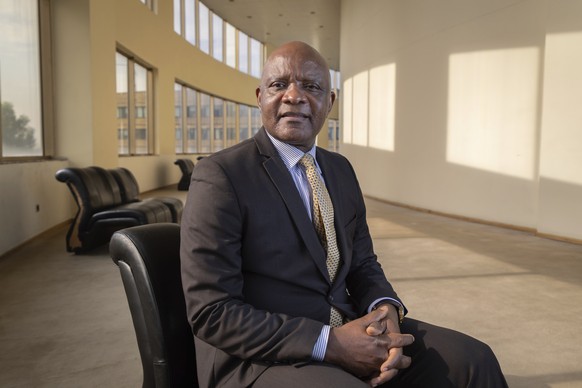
(383,377)
(397,340)
(396,361)
(394,355)
(374,316)
(376,328)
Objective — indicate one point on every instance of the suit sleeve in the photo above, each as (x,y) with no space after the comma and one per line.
(366,281)
(211,234)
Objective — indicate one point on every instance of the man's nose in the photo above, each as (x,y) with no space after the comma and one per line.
(294,94)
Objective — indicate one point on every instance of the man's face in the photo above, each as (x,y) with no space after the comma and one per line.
(294,95)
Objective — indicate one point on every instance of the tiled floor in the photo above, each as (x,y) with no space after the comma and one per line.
(64,320)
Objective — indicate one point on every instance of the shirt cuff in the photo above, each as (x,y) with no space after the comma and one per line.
(386,299)
(320,347)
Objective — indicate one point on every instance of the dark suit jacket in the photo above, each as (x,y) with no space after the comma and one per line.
(256,285)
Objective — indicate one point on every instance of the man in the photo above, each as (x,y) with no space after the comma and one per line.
(268,270)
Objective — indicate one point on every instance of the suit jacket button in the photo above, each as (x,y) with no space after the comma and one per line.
(330,298)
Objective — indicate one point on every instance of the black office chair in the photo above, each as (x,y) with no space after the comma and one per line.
(148,258)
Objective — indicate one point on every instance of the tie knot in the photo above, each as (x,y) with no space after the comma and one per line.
(307,161)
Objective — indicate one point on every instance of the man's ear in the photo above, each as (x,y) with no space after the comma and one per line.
(331,100)
(258,94)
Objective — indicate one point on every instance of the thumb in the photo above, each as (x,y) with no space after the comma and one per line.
(374,316)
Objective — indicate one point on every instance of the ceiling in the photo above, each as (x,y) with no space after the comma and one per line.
(275,22)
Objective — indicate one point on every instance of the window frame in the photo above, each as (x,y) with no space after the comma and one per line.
(46,135)
(132,146)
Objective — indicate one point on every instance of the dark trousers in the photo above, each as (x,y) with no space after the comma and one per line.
(441,358)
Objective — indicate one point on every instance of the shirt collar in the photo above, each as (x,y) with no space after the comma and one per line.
(290,154)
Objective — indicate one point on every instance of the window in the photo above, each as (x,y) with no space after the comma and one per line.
(256,58)
(243,52)
(191,120)
(230,123)
(21,86)
(186,100)
(205,123)
(243,122)
(190,21)
(205,116)
(335,81)
(197,24)
(230,39)
(255,120)
(218,124)
(178,16)
(134,87)
(217,40)
(178,118)
(203,22)
(333,135)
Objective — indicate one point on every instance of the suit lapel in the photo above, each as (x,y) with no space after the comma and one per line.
(283,181)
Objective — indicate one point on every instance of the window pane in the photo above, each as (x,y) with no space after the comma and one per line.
(190,21)
(204,123)
(20,88)
(218,124)
(230,123)
(243,52)
(243,122)
(255,120)
(204,28)
(192,120)
(178,130)
(230,45)
(217,37)
(141,109)
(256,58)
(333,135)
(121,66)
(178,16)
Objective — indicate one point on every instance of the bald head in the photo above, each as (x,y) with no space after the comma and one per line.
(297,49)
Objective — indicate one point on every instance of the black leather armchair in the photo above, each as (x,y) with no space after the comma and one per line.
(101,208)
(186,167)
(148,258)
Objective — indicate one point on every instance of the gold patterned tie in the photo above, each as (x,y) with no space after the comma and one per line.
(323,221)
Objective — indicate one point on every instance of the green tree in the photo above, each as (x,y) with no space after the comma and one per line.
(15,130)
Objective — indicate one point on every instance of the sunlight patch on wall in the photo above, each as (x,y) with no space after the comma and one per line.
(347,111)
(382,101)
(562,136)
(360,109)
(492,110)
(368,108)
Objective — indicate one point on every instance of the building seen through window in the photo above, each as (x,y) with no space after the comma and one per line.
(134,88)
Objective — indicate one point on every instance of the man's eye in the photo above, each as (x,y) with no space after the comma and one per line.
(312,87)
(278,85)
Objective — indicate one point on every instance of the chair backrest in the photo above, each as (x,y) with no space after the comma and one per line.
(93,187)
(128,185)
(186,166)
(148,258)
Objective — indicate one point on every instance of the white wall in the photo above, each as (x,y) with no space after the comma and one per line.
(445,113)
(24,187)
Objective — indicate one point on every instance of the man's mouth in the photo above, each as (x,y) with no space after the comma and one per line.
(293,115)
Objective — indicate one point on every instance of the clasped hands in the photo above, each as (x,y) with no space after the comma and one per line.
(370,346)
